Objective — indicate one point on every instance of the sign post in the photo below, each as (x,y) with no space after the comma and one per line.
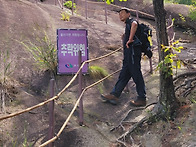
(72,50)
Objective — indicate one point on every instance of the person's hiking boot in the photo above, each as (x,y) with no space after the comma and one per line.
(138,102)
(110,98)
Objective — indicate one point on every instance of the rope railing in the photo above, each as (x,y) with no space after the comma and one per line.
(95,2)
(132,10)
(74,108)
(57,96)
(93,10)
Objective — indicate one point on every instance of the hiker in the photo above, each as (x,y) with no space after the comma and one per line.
(131,67)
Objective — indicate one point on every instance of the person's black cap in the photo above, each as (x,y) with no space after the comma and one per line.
(124,8)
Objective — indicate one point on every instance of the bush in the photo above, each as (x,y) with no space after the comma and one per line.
(97,72)
(43,52)
(65,16)
(192,14)
(5,66)
(186,2)
(68,4)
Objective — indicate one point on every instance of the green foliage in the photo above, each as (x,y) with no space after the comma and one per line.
(111,1)
(25,142)
(97,72)
(167,65)
(5,66)
(68,4)
(43,52)
(193,100)
(186,2)
(182,18)
(168,1)
(14,140)
(65,16)
(192,97)
(192,14)
(179,128)
(5,72)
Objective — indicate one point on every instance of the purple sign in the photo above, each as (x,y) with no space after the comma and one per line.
(69,42)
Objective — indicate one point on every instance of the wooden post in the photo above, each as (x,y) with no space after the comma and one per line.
(72,9)
(137,16)
(81,120)
(86,8)
(106,17)
(51,114)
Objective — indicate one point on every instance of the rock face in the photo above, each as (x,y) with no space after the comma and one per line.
(181,14)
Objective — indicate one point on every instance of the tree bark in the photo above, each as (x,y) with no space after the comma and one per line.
(167,98)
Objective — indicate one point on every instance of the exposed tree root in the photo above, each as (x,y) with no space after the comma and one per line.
(188,64)
(131,110)
(185,74)
(184,41)
(122,139)
(188,85)
(138,124)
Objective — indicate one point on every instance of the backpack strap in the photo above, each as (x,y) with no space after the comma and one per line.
(138,32)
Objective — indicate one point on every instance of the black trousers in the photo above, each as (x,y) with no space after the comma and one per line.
(131,68)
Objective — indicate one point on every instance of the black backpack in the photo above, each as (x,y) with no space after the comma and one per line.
(143,33)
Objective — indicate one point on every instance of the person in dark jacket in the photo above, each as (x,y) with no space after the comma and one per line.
(131,67)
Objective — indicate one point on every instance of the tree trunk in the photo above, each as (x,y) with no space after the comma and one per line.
(167,98)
